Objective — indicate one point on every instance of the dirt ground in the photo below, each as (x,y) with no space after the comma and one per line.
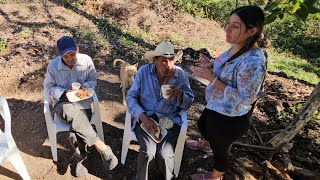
(31,30)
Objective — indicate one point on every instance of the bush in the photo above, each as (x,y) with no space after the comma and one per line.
(213,9)
(297,37)
(3,44)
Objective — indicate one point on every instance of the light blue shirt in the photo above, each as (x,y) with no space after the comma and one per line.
(59,77)
(144,94)
(243,77)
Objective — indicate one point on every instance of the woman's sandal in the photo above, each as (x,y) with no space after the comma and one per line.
(204,176)
(197,145)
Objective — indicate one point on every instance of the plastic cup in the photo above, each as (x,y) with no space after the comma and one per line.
(164,89)
(76,86)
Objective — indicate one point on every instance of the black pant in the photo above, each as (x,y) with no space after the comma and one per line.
(221,131)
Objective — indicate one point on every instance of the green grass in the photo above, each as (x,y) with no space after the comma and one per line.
(26,33)
(293,66)
(3,45)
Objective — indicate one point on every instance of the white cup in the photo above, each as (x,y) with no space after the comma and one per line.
(164,89)
(75,86)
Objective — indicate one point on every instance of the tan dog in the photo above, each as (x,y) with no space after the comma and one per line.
(127,73)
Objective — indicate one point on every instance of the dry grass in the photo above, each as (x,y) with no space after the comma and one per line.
(157,21)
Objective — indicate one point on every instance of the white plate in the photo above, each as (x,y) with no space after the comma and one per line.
(74,98)
(163,132)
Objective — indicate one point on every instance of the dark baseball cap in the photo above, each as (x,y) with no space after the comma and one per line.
(65,44)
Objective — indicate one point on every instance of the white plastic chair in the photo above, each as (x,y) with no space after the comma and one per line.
(8,147)
(129,135)
(57,125)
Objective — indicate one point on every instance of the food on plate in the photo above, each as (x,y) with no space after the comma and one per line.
(166,122)
(158,134)
(84,93)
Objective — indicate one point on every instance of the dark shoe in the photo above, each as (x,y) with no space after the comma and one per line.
(77,168)
(109,160)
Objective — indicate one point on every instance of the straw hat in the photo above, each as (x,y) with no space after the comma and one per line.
(164,49)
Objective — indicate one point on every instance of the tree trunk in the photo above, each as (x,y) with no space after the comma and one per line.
(308,109)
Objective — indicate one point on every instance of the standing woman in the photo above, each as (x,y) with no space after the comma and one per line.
(235,79)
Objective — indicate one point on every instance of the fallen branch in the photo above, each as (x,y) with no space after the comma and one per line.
(271,132)
(304,173)
(275,172)
(250,166)
(254,146)
(308,109)
(238,171)
(255,130)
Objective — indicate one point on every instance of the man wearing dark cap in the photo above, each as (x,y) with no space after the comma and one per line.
(71,66)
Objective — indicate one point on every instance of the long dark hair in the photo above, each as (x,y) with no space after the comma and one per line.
(253,17)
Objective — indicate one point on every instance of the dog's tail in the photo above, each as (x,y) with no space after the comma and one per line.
(118,60)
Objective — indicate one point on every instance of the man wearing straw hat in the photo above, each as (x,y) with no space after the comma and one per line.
(146,102)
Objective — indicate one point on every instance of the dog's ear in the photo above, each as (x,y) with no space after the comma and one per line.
(136,65)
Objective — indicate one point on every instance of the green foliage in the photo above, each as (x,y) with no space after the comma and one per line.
(285,117)
(3,45)
(298,8)
(293,67)
(300,40)
(26,32)
(294,109)
(213,9)
(86,33)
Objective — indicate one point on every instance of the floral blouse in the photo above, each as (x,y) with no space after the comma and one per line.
(243,77)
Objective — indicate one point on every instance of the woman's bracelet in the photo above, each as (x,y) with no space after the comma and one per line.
(214,81)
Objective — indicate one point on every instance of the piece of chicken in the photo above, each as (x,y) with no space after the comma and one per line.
(158,134)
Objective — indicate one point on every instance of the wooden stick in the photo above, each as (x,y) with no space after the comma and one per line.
(254,146)
(255,130)
(271,132)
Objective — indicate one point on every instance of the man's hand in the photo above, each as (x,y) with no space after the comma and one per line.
(150,126)
(83,87)
(175,92)
(68,90)
(63,97)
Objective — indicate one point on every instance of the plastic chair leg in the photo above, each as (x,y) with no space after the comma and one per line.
(125,146)
(53,144)
(99,129)
(17,162)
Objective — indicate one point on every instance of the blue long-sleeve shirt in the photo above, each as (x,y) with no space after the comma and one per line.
(144,94)
(242,76)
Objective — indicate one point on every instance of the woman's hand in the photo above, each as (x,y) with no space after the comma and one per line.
(204,73)
(203,62)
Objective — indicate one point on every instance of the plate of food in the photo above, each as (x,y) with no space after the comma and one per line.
(159,135)
(80,95)
(166,122)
